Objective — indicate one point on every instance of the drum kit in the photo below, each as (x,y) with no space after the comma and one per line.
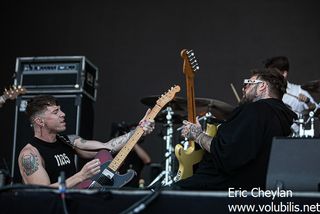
(175,112)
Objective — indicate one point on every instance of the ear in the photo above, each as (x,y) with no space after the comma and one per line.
(39,121)
(263,86)
(285,74)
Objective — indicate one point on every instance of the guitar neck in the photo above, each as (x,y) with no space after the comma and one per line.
(191,99)
(123,153)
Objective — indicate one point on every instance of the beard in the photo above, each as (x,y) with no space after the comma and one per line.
(249,96)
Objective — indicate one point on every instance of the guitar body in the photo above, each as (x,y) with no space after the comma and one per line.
(187,159)
(100,180)
(190,157)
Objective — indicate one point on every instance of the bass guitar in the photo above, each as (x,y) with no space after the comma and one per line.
(187,158)
(109,175)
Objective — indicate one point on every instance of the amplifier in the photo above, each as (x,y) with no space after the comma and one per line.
(57,74)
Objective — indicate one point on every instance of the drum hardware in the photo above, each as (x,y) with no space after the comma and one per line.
(302,131)
(167,172)
(312,86)
(219,109)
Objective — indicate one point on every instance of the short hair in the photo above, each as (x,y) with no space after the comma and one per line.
(39,104)
(276,81)
(279,62)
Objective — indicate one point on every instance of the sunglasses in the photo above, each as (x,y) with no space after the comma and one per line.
(250,82)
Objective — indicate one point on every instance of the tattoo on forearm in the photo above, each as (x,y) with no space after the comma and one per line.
(204,141)
(117,142)
(30,163)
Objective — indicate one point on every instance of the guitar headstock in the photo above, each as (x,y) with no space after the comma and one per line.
(190,63)
(13,92)
(168,96)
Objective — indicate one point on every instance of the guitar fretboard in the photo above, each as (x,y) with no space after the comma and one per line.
(118,160)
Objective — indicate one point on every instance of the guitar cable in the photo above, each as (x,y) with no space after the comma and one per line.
(140,205)
(62,191)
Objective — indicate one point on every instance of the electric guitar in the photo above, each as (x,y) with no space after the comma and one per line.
(191,156)
(109,175)
(12,93)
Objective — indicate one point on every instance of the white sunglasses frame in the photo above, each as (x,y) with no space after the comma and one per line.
(249,81)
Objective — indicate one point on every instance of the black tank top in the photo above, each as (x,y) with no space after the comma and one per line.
(57,156)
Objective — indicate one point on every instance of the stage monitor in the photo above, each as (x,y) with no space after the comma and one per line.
(294,164)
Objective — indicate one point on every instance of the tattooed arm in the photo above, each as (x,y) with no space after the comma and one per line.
(89,148)
(204,141)
(117,143)
(31,167)
(33,172)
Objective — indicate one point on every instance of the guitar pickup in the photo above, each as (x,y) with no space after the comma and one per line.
(108,173)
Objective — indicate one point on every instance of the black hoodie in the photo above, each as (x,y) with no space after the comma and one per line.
(240,151)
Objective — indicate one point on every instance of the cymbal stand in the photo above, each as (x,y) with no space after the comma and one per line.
(303,132)
(310,132)
(167,172)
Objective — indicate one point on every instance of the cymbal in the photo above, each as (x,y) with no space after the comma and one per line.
(178,112)
(217,108)
(151,101)
(312,86)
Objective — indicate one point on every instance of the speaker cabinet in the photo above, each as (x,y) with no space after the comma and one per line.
(57,74)
(294,164)
(79,118)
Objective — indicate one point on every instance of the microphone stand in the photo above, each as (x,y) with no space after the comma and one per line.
(167,172)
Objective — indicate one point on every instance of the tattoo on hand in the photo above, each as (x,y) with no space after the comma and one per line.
(30,163)
(194,131)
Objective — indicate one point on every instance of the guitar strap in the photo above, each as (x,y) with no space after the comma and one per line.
(65,139)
